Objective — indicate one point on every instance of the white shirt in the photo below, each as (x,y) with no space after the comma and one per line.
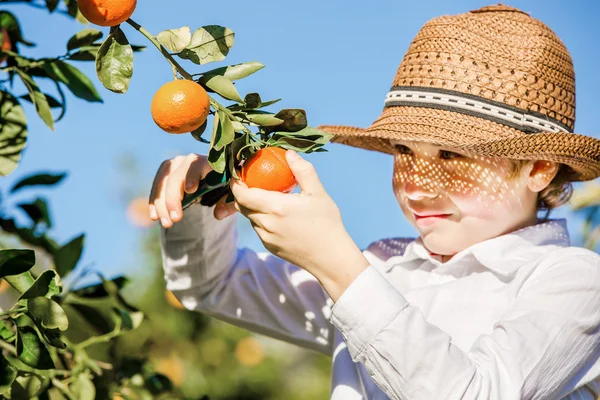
(514,317)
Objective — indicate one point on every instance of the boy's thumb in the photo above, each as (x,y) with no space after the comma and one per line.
(305,173)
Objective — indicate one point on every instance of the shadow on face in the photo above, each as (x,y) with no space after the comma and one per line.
(456,199)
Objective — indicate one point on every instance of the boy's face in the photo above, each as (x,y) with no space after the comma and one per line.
(456,200)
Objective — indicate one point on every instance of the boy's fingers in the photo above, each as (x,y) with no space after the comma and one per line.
(159,188)
(305,174)
(222,209)
(174,190)
(255,199)
(198,168)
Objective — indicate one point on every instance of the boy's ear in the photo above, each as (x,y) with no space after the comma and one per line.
(541,174)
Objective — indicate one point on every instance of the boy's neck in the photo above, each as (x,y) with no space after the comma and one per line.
(443,258)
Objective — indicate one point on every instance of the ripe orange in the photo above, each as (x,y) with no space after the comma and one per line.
(268,169)
(6,44)
(107,12)
(180,106)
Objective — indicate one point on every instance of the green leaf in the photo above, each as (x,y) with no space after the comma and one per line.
(16,261)
(221,85)
(73,11)
(48,313)
(8,373)
(311,133)
(83,38)
(158,383)
(66,258)
(294,120)
(37,211)
(52,337)
(5,332)
(225,132)
(114,62)
(88,53)
(13,132)
(83,388)
(77,82)
(39,99)
(31,351)
(264,119)
(46,285)
(33,386)
(268,103)
(175,40)
(38,180)
(85,53)
(52,102)
(252,100)
(51,5)
(217,159)
(197,134)
(209,43)
(237,71)
(9,22)
(20,282)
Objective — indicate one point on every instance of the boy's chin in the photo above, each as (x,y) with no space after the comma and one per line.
(438,244)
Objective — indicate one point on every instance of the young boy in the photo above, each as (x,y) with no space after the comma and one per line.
(491,301)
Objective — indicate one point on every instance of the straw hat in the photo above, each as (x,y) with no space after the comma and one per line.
(494,82)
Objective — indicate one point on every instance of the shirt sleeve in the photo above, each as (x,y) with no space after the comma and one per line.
(545,347)
(254,290)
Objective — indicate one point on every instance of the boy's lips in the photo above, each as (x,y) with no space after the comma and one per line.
(426,218)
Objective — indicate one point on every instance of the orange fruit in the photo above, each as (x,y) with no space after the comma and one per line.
(138,212)
(107,12)
(249,352)
(172,300)
(180,106)
(268,169)
(6,44)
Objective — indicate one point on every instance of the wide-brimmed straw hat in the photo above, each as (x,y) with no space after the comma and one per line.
(494,82)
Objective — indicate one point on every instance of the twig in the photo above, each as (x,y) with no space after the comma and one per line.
(160,47)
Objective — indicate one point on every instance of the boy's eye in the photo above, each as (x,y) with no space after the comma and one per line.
(449,155)
(402,149)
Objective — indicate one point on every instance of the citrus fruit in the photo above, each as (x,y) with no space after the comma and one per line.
(6,44)
(107,12)
(180,106)
(268,169)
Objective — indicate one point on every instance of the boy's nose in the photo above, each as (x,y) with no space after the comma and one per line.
(418,187)
(418,180)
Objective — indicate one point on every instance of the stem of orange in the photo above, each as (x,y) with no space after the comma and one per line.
(160,47)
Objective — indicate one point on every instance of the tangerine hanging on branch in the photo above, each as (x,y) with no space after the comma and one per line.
(243,137)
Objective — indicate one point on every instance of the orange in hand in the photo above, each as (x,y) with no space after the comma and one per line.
(180,106)
(107,12)
(268,169)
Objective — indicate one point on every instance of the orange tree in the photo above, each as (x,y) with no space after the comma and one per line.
(44,354)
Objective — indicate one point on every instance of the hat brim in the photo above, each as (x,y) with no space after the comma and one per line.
(474,135)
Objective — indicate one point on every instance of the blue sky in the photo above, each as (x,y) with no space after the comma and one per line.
(335,59)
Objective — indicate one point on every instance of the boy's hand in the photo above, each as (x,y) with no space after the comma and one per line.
(175,177)
(305,229)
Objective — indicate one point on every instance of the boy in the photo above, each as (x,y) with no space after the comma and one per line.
(491,301)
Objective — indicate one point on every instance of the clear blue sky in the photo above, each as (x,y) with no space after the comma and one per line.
(335,59)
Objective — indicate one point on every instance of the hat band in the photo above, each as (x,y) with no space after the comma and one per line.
(474,106)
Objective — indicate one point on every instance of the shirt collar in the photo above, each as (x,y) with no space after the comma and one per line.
(497,253)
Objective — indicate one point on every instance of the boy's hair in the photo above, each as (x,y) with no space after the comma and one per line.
(557,193)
